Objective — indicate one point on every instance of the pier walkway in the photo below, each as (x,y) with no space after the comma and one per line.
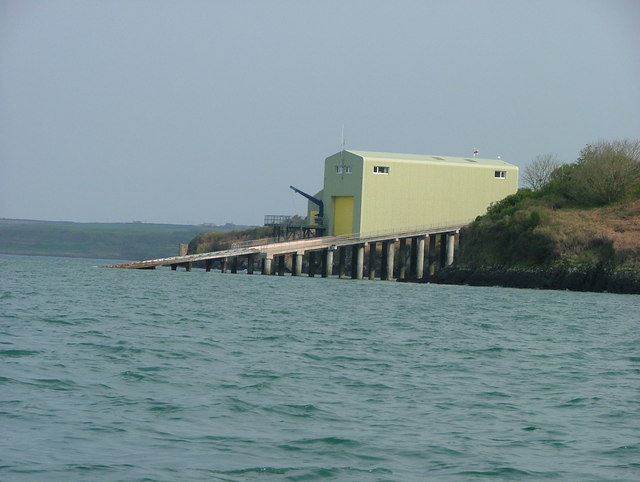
(435,244)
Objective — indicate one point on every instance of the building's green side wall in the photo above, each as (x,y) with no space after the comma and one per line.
(342,185)
(313,209)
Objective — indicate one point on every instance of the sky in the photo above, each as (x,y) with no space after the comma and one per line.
(205,111)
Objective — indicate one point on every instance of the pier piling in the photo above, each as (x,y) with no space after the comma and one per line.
(342,261)
(402,259)
(357,261)
(296,264)
(451,240)
(266,265)
(319,253)
(419,266)
(327,260)
(372,260)
(250,262)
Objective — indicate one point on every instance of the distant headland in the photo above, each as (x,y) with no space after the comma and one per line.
(117,241)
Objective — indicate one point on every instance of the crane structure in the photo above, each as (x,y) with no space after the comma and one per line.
(320,217)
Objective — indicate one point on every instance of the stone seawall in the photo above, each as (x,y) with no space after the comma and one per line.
(595,279)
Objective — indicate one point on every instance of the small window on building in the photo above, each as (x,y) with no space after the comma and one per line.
(500,175)
(343,169)
(381,169)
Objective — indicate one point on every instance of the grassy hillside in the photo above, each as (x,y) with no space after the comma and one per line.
(216,241)
(585,215)
(533,235)
(122,241)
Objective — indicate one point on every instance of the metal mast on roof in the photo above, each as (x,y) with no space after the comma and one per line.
(342,142)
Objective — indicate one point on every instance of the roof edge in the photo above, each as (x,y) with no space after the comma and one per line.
(481,161)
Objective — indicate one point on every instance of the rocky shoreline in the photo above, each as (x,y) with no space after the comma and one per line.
(572,279)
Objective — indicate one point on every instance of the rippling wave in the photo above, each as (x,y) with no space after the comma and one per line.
(163,375)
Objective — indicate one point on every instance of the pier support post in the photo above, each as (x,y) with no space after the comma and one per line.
(223,265)
(342,258)
(296,264)
(402,259)
(450,248)
(174,267)
(207,265)
(250,261)
(419,260)
(327,260)
(357,261)
(266,265)
(384,252)
(354,257)
(432,255)
(312,264)
(413,255)
(281,265)
(388,251)
(443,249)
(372,260)
(234,265)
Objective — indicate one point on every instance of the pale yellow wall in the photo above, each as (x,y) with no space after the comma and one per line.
(421,194)
(415,193)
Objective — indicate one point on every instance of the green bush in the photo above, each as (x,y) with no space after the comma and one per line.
(218,241)
(605,173)
(507,237)
(509,205)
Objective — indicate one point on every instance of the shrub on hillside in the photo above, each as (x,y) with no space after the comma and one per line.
(507,237)
(605,173)
(509,205)
(540,171)
(217,241)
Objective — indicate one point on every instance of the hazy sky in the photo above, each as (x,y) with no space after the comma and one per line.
(194,111)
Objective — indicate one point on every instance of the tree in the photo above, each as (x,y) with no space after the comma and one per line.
(605,171)
(539,172)
(297,220)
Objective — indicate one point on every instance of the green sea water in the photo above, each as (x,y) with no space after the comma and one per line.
(169,375)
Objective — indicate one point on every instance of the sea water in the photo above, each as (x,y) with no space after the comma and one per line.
(172,375)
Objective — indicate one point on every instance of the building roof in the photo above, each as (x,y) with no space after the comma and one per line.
(392,156)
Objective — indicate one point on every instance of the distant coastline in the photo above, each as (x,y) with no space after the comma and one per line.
(114,241)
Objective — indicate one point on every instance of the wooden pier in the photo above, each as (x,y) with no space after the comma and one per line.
(419,252)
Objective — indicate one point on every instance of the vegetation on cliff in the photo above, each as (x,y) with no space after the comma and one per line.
(584,215)
(207,242)
(216,241)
